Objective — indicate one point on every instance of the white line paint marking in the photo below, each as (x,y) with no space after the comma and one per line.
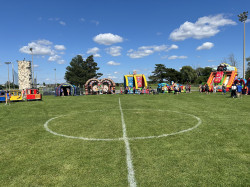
(131,173)
(129,138)
(75,137)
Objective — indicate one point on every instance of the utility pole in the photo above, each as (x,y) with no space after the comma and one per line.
(8,75)
(31,50)
(243,18)
(55,77)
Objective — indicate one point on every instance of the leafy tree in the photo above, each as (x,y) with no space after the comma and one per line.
(202,74)
(188,74)
(172,75)
(159,73)
(248,68)
(79,71)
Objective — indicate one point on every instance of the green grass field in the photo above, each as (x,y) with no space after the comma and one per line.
(216,153)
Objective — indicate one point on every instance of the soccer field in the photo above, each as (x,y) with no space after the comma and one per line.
(126,140)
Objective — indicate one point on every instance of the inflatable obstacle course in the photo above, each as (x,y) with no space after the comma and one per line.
(223,74)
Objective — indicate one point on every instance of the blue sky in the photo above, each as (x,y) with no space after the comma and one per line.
(122,35)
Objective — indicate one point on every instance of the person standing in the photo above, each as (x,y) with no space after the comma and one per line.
(206,88)
(233,91)
(223,89)
(214,90)
(239,90)
(7,98)
(62,91)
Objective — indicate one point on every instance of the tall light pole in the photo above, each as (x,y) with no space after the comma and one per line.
(31,50)
(55,77)
(243,18)
(8,74)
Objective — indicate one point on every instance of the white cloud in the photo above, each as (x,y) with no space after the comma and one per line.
(112,77)
(205,46)
(173,57)
(159,33)
(40,47)
(60,47)
(204,27)
(173,46)
(62,23)
(36,65)
(107,39)
(146,51)
(82,19)
(44,48)
(112,63)
(116,72)
(61,62)
(94,51)
(54,58)
(114,50)
(149,50)
(44,42)
(248,21)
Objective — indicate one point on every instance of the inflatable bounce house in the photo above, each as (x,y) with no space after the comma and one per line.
(243,83)
(223,74)
(162,88)
(65,89)
(248,86)
(137,81)
(103,86)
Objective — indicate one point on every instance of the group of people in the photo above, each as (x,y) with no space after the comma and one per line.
(236,89)
(68,91)
(133,90)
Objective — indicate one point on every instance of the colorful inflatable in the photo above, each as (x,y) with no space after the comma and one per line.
(243,83)
(103,86)
(223,74)
(135,82)
(248,86)
(65,89)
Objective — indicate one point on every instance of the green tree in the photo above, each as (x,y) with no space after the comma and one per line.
(188,74)
(172,75)
(202,74)
(79,71)
(159,74)
(248,68)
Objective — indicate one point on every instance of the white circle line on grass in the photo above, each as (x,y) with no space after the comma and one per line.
(122,138)
(76,137)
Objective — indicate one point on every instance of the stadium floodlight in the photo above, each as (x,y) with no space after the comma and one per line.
(8,74)
(243,18)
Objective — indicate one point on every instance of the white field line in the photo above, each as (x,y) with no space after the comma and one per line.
(129,138)
(75,137)
(174,133)
(131,173)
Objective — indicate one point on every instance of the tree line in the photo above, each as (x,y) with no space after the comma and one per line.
(186,74)
(80,70)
